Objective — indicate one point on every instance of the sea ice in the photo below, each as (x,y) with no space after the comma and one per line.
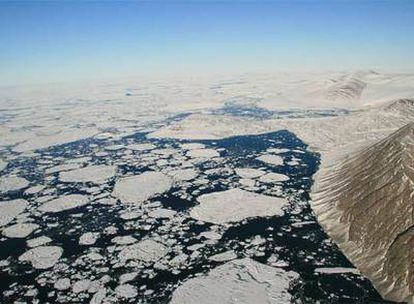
(192,146)
(99,296)
(42,257)
(137,189)
(63,203)
(62,284)
(95,174)
(203,153)
(126,291)
(34,189)
(249,172)
(146,251)
(235,205)
(224,256)
(240,281)
(271,159)
(273,178)
(88,238)
(12,183)
(141,147)
(124,240)
(10,209)
(162,213)
(336,270)
(182,174)
(39,241)
(20,230)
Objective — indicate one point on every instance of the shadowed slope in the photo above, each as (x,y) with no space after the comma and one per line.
(365,203)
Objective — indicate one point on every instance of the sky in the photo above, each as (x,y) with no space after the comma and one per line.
(56,41)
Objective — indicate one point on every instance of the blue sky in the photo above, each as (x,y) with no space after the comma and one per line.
(77,40)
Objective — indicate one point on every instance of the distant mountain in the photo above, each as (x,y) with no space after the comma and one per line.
(366,204)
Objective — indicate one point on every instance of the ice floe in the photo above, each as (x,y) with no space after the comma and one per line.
(88,238)
(137,189)
(273,178)
(10,209)
(62,284)
(235,205)
(95,174)
(239,281)
(192,146)
(141,147)
(249,172)
(65,202)
(202,153)
(162,213)
(224,256)
(275,160)
(42,257)
(12,183)
(336,270)
(182,174)
(39,241)
(34,189)
(146,250)
(126,291)
(124,240)
(20,230)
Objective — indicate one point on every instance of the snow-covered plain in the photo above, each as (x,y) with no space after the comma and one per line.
(107,192)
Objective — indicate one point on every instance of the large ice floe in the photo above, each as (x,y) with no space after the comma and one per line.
(241,281)
(137,189)
(10,209)
(147,251)
(64,203)
(94,174)
(235,205)
(12,183)
(42,257)
(20,230)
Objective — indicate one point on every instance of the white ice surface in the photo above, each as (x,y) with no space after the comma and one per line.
(146,251)
(203,153)
(271,159)
(235,205)
(65,202)
(249,172)
(237,282)
(95,174)
(10,209)
(20,230)
(139,188)
(12,183)
(42,257)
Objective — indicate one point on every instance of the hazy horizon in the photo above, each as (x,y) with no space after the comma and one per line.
(75,41)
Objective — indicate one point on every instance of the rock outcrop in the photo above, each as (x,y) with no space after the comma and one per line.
(365,203)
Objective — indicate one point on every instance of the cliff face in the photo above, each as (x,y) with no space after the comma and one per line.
(365,202)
